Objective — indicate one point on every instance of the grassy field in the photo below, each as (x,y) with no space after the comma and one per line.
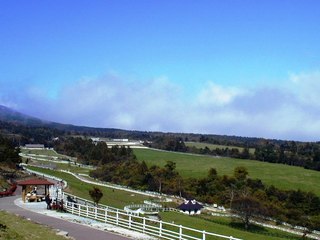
(225,226)
(63,166)
(48,152)
(279,175)
(17,228)
(219,225)
(214,146)
(111,197)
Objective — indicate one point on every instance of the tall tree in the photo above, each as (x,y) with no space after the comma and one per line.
(247,207)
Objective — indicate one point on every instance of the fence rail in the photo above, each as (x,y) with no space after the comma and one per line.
(152,227)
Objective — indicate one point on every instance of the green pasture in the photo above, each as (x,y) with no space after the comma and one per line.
(119,199)
(279,175)
(215,146)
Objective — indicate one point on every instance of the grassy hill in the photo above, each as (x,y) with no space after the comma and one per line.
(279,175)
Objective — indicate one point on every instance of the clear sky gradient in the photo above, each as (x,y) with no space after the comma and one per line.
(249,68)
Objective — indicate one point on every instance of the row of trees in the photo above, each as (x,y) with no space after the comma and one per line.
(89,152)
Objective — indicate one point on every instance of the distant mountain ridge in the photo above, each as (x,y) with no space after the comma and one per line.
(13,116)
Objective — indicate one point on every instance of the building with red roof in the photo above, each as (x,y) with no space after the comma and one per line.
(29,184)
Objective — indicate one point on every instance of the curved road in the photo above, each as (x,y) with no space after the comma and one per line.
(77,231)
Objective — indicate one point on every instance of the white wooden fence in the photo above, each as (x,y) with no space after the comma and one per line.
(160,229)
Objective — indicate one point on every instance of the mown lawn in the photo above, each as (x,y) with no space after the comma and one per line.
(18,228)
(279,175)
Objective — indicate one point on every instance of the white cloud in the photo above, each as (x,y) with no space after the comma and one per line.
(306,86)
(214,94)
(287,112)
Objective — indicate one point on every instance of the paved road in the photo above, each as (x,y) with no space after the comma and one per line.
(77,231)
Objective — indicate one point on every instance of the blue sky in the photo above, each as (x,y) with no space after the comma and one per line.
(249,68)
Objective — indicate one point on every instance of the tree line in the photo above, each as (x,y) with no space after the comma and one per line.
(303,154)
(89,152)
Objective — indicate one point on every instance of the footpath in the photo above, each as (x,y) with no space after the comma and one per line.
(74,227)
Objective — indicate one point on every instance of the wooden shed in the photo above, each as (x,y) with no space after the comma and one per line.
(34,184)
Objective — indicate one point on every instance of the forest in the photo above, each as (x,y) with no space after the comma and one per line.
(9,154)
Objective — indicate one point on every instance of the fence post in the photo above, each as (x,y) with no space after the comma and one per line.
(160,229)
(79,209)
(231,238)
(106,214)
(203,235)
(144,225)
(130,221)
(117,217)
(72,208)
(95,212)
(87,211)
(180,232)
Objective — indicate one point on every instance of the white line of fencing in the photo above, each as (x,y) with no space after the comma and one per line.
(145,225)
(65,183)
(67,196)
(115,186)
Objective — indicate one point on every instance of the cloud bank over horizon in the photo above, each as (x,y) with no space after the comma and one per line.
(289,111)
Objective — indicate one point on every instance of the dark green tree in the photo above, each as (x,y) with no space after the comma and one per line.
(247,207)
(96,195)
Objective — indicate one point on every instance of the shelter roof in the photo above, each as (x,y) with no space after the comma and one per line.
(190,205)
(35,181)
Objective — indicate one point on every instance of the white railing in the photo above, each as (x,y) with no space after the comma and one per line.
(152,227)
(87,202)
(65,183)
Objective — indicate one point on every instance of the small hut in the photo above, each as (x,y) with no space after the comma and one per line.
(190,207)
(30,189)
